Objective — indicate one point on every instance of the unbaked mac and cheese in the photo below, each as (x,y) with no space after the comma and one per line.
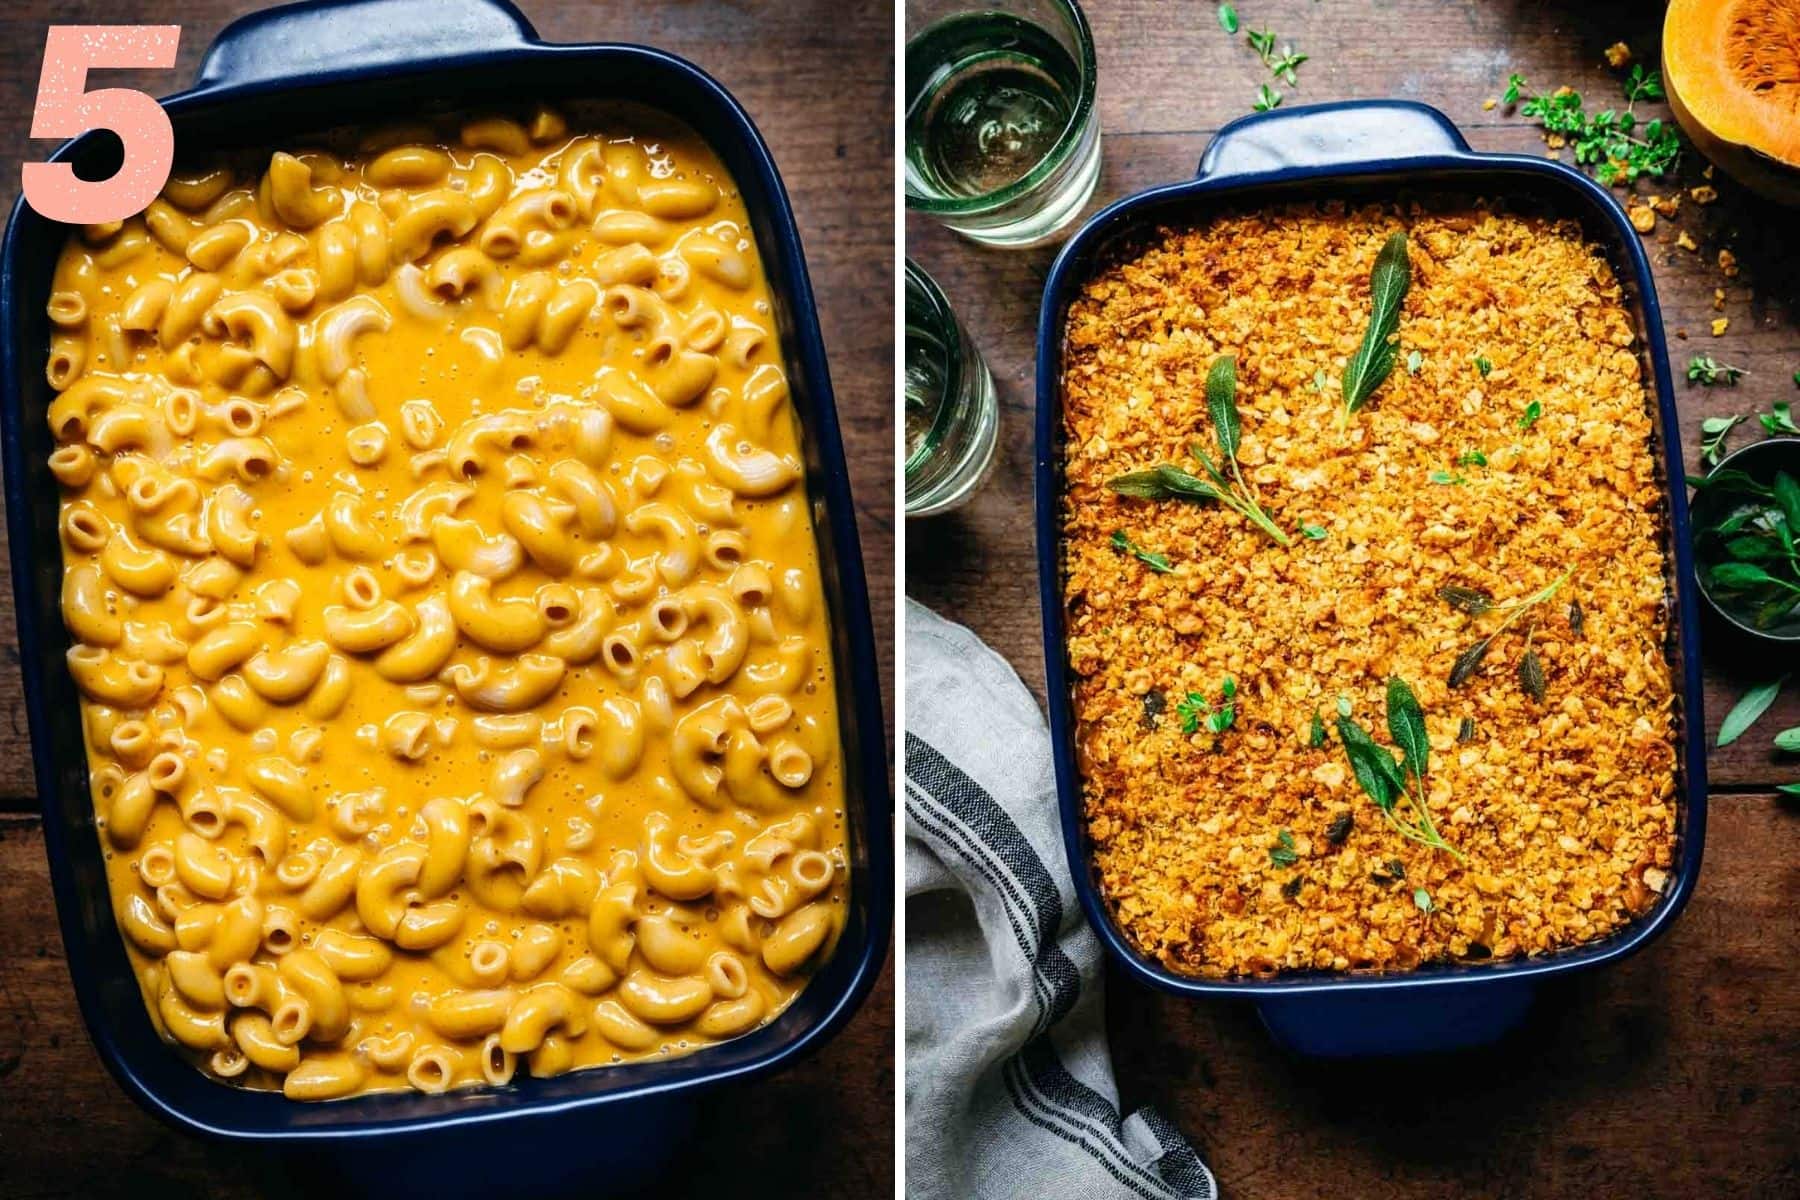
(445,606)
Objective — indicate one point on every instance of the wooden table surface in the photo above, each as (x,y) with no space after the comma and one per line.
(825,106)
(1670,1075)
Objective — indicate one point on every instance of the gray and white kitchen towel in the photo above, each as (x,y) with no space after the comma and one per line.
(1009,1084)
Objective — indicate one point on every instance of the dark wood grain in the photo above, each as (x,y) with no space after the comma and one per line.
(824,104)
(1666,1076)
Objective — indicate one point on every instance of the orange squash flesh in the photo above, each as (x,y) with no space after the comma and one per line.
(1732,72)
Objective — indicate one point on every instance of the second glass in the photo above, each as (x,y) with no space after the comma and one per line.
(1002,136)
(952,414)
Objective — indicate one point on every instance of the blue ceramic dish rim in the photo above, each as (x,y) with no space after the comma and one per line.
(858,677)
(1069,269)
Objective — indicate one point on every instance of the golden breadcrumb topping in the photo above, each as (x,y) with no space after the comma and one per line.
(1510,445)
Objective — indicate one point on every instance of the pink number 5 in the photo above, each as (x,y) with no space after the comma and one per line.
(65,109)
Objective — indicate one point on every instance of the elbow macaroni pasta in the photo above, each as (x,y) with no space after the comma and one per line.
(445,608)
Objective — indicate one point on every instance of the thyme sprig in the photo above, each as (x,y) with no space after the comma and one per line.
(1173,483)
(1477,602)
(1387,782)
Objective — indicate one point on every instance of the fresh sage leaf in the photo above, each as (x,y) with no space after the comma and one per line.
(1316,735)
(1340,828)
(1467,663)
(1221,402)
(1577,619)
(1374,358)
(1406,725)
(1465,732)
(1372,764)
(1163,483)
(1787,495)
(1531,676)
(1789,740)
(1747,711)
(1228,18)
(1474,601)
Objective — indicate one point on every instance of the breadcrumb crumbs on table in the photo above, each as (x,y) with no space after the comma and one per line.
(1563,808)
(1720,325)
(1618,56)
(1705,194)
(1728,264)
(1686,241)
(1643,218)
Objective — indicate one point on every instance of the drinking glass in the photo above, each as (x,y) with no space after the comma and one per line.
(1002,138)
(952,417)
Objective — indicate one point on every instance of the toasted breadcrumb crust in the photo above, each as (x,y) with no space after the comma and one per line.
(1565,809)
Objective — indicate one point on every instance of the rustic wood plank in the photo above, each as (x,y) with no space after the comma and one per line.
(1166,88)
(1667,1075)
(824,104)
(829,1121)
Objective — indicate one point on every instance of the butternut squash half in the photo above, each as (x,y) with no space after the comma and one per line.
(1732,72)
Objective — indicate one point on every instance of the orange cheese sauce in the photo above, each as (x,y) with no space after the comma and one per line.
(446,609)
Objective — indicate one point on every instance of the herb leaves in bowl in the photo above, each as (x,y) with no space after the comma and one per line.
(1746,520)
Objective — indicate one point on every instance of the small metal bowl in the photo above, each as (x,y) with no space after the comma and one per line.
(1759,460)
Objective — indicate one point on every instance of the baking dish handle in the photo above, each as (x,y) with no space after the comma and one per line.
(1391,1021)
(1331,135)
(342,35)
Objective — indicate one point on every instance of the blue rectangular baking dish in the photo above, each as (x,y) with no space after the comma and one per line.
(307,67)
(1373,149)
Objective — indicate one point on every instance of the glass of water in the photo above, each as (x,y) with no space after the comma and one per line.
(1002,138)
(952,415)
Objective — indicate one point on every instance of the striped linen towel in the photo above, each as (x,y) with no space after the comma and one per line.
(1009,1085)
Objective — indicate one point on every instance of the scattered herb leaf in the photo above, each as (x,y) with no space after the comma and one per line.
(1343,706)
(1284,854)
(1530,416)
(1195,710)
(1779,419)
(1316,735)
(1465,733)
(1788,740)
(1712,440)
(1615,144)
(1747,711)
(1291,889)
(1414,361)
(1266,98)
(1340,828)
(1577,619)
(1483,365)
(1472,458)
(1706,371)
(1422,898)
(1124,545)
(1448,479)
(1228,18)
(1154,704)
(1374,358)
(1315,532)
(1643,85)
